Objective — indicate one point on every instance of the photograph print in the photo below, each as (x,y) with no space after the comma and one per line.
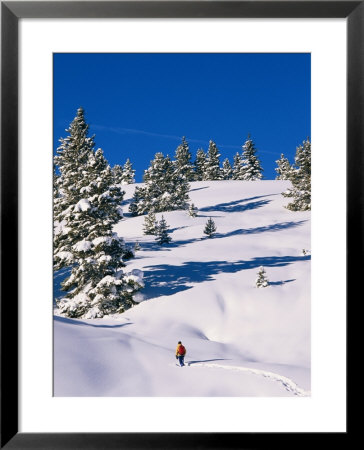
(182,224)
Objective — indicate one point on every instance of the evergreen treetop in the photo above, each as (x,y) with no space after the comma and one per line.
(210,228)
(251,169)
(128,173)
(183,165)
(300,177)
(200,163)
(283,168)
(162,236)
(212,164)
(227,171)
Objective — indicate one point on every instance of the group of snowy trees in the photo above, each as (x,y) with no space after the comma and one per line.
(299,174)
(165,188)
(166,181)
(160,229)
(124,174)
(207,165)
(87,201)
(246,166)
(87,205)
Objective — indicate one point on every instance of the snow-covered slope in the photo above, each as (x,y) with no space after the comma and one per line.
(240,340)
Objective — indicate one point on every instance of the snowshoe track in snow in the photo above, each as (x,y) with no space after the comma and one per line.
(288,384)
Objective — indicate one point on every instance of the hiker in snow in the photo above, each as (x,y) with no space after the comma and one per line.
(180,353)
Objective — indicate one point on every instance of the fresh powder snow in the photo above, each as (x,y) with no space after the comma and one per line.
(241,340)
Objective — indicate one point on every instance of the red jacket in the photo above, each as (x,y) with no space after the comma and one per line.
(177,350)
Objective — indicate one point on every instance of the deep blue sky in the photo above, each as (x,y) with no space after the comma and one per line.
(142,103)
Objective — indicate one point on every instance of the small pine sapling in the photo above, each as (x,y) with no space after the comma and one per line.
(192,210)
(210,228)
(150,224)
(262,280)
(162,236)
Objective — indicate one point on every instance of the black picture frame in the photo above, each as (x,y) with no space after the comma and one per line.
(11,12)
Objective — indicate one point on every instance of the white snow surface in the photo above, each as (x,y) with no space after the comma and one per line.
(240,340)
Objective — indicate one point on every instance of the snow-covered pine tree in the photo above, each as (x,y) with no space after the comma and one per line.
(192,210)
(251,169)
(128,173)
(57,197)
(117,171)
(150,223)
(84,218)
(147,198)
(236,175)
(300,177)
(261,280)
(163,190)
(179,192)
(283,168)
(227,171)
(70,160)
(182,163)
(162,236)
(210,228)
(212,165)
(137,205)
(200,162)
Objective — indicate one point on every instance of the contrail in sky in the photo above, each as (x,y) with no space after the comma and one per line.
(119,130)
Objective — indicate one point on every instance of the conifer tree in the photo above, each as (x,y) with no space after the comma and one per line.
(183,165)
(212,165)
(236,175)
(227,171)
(71,158)
(192,210)
(162,236)
(85,214)
(128,173)
(210,228)
(163,190)
(300,177)
(200,163)
(251,169)
(283,168)
(118,172)
(150,223)
(261,280)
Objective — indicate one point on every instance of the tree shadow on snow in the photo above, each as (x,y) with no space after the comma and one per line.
(239,205)
(78,322)
(199,189)
(280,283)
(171,230)
(274,227)
(189,363)
(167,279)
